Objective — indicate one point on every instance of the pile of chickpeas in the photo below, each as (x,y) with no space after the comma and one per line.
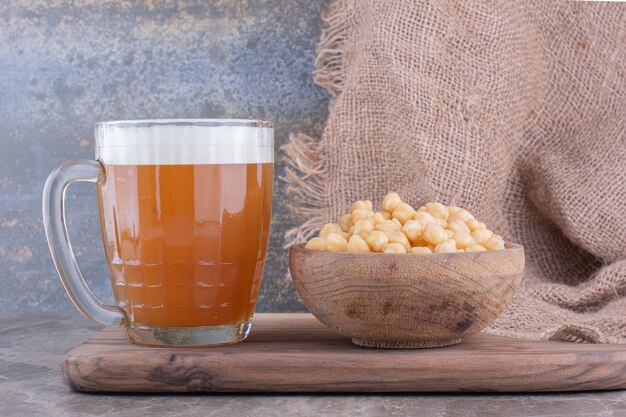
(399,228)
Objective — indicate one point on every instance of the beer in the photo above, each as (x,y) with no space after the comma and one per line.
(185,214)
(186,244)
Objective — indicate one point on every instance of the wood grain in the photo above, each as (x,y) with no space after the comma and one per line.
(406,300)
(296,353)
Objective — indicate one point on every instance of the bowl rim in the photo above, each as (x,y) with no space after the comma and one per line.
(508,247)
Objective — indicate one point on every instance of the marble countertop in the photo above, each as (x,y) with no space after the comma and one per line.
(32,347)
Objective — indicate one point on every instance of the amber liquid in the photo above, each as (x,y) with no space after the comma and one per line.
(185,244)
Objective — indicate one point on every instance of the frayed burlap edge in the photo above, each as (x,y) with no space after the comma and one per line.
(305,177)
(329,63)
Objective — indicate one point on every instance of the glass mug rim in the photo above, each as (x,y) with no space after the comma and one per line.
(210,122)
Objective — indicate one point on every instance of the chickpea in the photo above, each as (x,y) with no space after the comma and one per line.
(361,204)
(361,214)
(376,240)
(481,235)
(424,217)
(437,210)
(433,228)
(398,237)
(420,249)
(403,212)
(421,241)
(475,247)
(434,234)
(345,222)
(381,217)
(413,229)
(316,243)
(462,215)
(394,248)
(495,242)
(463,239)
(474,224)
(363,227)
(390,201)
(458,226)
(329,228)
(389,225)
(447,246)
(357,244)
(336,243)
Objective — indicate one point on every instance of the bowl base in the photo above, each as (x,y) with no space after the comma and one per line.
(398,344)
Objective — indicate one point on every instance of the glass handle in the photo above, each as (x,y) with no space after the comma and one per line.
(59,243)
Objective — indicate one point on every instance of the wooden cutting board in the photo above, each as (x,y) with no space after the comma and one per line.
(296,353)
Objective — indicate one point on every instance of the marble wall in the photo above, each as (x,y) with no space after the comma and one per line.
(65,65)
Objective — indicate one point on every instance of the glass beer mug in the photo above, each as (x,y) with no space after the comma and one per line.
(185,210)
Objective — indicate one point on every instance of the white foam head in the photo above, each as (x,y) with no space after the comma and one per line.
(185,142)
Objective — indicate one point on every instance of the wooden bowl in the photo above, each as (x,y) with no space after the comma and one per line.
(406,300)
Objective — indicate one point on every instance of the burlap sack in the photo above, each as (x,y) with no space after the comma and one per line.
(513,110)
